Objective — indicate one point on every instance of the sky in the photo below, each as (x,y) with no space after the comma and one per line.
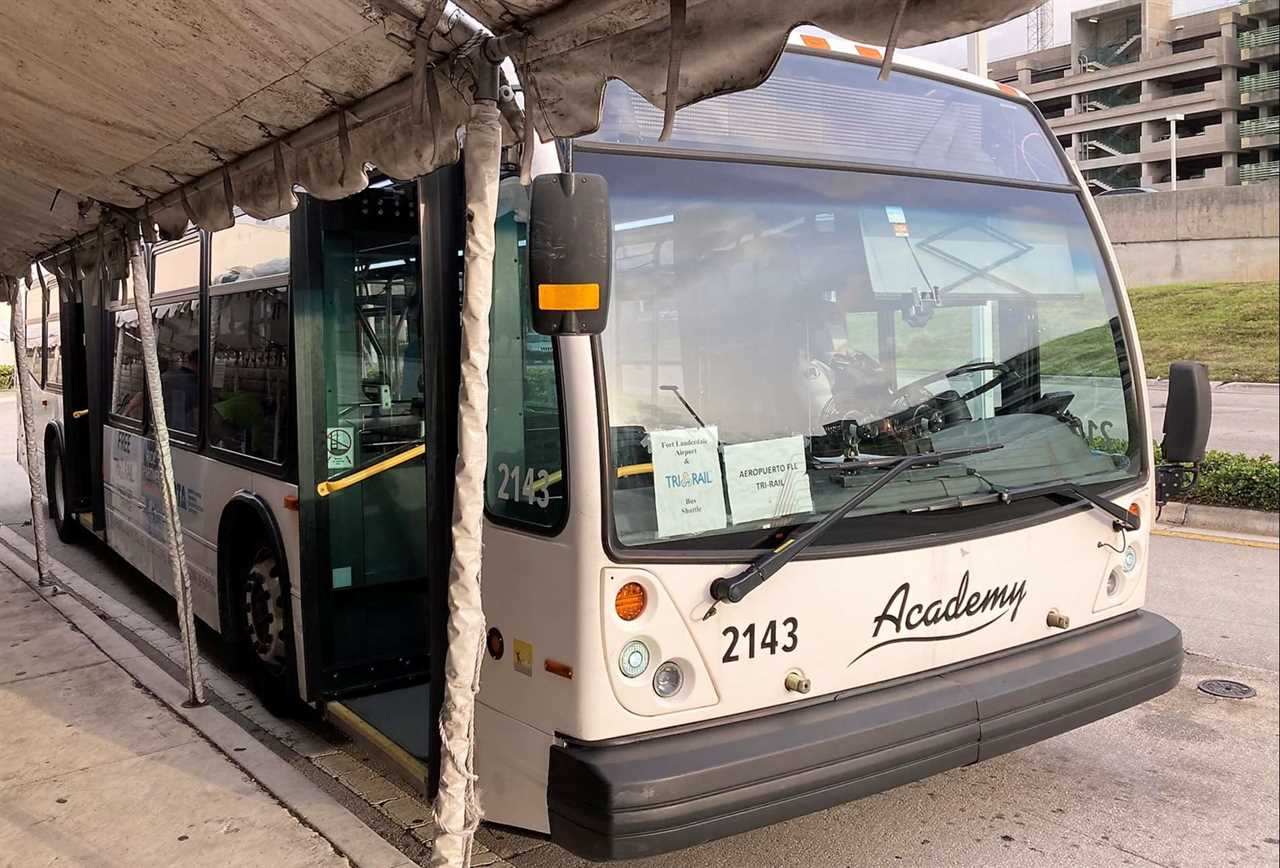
(1010,38)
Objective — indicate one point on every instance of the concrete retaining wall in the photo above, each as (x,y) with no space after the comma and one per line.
(1214,234)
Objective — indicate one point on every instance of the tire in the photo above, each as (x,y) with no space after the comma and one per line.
(265,646)
(55,479)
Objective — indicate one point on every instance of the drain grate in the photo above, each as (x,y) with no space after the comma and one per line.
(1227,689)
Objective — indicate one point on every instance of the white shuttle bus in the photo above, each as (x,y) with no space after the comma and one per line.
(837,477)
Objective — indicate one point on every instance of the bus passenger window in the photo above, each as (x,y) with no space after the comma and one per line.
(53,367)
(525,482)
(251,248)
(35,334)
(249,372)
(177,267)
(127,377)
(177,326)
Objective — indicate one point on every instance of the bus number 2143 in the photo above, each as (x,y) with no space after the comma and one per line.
(532,487)
(768,639)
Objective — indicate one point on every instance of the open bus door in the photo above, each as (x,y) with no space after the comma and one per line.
(375,324)
(78,406)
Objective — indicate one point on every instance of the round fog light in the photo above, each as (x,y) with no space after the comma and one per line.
(668,680)
(1130,559)
(634,659)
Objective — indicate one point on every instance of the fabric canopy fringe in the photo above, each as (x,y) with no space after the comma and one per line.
(402,141)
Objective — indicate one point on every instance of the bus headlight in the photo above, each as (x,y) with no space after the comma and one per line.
(668,680)
(634,659)
(1130,559)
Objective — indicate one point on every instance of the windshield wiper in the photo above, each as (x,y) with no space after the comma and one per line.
(1123,519)
(732,589)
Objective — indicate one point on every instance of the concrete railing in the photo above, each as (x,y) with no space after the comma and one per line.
(1261,36)
(1260,126)
(1260,81)
(1264,171)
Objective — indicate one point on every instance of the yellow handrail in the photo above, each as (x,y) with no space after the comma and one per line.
(324,489)
(623,472)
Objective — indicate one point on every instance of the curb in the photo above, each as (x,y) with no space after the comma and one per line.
(1162,385)
(1194,516)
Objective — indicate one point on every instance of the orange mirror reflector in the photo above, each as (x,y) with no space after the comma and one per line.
(815,42)
(569,296)
(555,667)
(869,52)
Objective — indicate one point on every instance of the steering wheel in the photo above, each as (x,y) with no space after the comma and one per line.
(1002,370)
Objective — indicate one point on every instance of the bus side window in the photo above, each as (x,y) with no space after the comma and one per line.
(35,334)
(249,372)
(52,339)
(53,363)
(177,328)
(525,482)
(127,377)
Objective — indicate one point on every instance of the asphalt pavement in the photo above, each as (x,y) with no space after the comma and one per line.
(1246,416)
(1184,780)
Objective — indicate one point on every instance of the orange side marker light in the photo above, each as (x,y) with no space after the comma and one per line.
(630,601)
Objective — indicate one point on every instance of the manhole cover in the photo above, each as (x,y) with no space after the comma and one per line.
(1227,689)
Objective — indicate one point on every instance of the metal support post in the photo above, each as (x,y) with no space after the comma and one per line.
(22,366)
(173,524)
(1173,150)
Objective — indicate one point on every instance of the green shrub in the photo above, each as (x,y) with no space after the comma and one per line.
(1231,479)
(1236,480)
(6,377)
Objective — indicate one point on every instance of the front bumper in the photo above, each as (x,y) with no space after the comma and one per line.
(622,801)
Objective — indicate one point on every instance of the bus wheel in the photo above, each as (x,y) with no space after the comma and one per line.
(263,599)
(55,483)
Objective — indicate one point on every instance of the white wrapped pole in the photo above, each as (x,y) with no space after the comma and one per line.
(18,329)
(173,524)
(457,809)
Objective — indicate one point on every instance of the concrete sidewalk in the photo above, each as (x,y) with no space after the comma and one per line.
(96,770)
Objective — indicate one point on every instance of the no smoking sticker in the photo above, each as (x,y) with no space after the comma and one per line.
(339,443)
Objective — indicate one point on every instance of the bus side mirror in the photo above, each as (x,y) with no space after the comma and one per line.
(1188,412)
(570,253)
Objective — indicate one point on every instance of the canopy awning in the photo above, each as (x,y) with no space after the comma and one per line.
(192,107)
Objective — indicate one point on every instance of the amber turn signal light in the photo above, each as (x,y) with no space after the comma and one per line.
(630,601)
(569,296)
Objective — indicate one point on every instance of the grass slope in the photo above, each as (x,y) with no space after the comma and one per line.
(1234,327)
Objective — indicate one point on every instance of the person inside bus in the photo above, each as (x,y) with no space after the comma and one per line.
(180,386)
(239,422)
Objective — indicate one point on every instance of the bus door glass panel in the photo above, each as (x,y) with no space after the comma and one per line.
(374,408)
(525,481)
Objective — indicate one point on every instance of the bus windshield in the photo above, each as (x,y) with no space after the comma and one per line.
(774,325)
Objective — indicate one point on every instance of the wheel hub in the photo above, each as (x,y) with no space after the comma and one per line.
(264,611)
